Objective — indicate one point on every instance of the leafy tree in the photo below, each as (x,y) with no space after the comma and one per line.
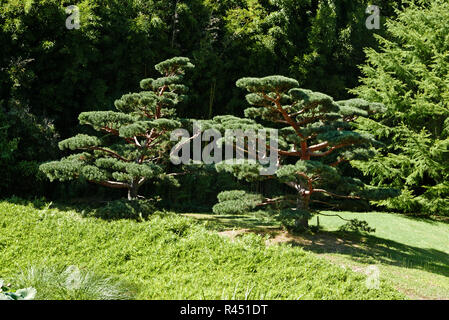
(317,42)
(137,135)
(409,75)
(301,39)
(91,66)
(315,137)
(25,142)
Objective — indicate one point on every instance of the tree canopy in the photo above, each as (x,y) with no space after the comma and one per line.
(316,135)
(133,148)
(409,75)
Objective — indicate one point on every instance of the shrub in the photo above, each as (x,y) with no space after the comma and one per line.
(25,141)
(126,209)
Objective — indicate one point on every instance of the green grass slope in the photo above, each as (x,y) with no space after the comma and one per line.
(167,257)
(412,253)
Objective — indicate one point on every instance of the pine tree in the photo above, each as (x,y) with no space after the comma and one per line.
(409,75)
(315,137)
(134,142)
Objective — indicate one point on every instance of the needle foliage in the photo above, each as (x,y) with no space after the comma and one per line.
(132,144)
(316,136)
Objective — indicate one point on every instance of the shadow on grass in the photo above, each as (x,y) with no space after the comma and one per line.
(427,219)
(363,248)
(370,249)
(85,208)
(94,208)
(78,205)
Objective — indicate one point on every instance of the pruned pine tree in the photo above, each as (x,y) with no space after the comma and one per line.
(133,142)
(315,136)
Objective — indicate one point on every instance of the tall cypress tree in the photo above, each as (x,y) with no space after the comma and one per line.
(133,144)
(315,137)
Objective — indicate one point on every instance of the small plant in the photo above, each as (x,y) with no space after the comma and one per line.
(21,294)
(127,209)
(73,284)
(356,225)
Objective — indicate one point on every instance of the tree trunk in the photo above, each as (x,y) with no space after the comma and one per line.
(303,222)
(133,191)
(302,203)
(175,22)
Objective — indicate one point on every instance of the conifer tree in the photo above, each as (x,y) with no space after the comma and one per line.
(315,137)
(133,144)
(409,75)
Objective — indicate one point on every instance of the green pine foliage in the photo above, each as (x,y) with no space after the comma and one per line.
(316,135)
(132,148)
(409,75)
(59,73)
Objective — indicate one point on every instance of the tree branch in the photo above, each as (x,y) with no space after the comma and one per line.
(337,195)
(116,155)
(116,133)
(318,146)
(338,162)
(284,113)
(323,154)
(112,184)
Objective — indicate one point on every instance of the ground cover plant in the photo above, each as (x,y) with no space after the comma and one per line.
(167,257)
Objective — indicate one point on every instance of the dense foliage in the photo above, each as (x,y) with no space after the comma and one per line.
(315,137)
(135,142)
(374,119)
(25,142)
(409,74)
(119,40)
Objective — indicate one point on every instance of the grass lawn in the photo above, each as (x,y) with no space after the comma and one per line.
(413,254)
(166,257)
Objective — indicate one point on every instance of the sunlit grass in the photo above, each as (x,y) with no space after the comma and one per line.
(168,257)
(411,253)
